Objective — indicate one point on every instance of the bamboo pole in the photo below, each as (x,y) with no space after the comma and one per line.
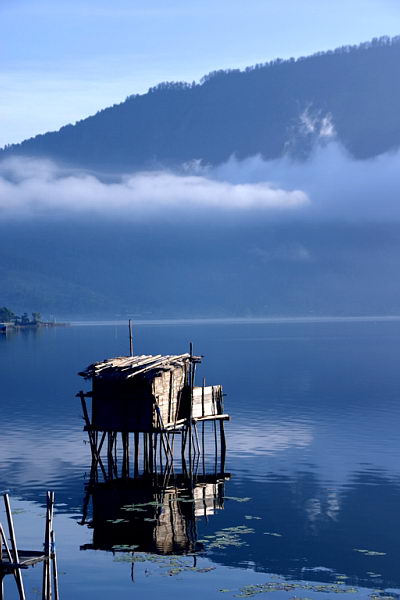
(3,539)
(92,440)
(136,458)
(46,586)
(54,561)
(125,455)
(145,455)
(18,576)
(223,445)
(191,406)
(115,461)
(130,339)
(155,451)
(150,448)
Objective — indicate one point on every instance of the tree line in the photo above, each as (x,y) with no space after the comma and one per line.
(8,316)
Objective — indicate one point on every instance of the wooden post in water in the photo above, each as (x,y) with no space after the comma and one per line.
(203,449)
(150,448)
(130,339)
(136,457)
(145,454)
(47,579)
(222,432)
(54,561)
(190,407)
(18,576)
(125,454)
(3,540)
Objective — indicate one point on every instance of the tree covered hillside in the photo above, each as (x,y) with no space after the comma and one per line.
(272,109)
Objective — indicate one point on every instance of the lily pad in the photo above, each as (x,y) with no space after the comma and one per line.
(237,499)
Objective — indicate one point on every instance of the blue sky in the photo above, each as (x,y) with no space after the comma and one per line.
(61,61)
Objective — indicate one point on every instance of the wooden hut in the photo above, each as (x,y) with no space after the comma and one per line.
(149,394)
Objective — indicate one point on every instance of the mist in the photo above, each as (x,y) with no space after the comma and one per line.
(30,188)
(329,185)
(247,238)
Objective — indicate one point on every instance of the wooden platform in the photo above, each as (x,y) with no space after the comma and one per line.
(27,558)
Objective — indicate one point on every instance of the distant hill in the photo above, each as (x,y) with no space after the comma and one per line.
(99,268)
(271,109)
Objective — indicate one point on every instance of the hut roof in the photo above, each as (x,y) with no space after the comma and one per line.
(125,367)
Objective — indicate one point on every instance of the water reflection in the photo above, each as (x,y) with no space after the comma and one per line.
(304,529)
(313,443)
(151,515)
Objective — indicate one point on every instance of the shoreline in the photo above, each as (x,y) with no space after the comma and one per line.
(10,327)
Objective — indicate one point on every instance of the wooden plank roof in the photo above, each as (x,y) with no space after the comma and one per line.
(124,367)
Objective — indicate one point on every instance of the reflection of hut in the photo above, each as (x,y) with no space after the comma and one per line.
(149,394)
(148,517)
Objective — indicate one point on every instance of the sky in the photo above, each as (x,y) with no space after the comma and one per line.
(62,61)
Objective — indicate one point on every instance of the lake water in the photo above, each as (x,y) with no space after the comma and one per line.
(313,455)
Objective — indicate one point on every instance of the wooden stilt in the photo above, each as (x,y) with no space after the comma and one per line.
(92,437)
(47,584)
(3,540)
(223,445)
(203,447)
(125,454)
(54,561)
(145,454)
(155,440)
(110,459)
(130,339)
(136,457)
(150,447)
(18,576)
(161,454)
(215,446)
(115,457)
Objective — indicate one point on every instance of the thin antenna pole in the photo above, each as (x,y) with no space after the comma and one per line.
(130,339)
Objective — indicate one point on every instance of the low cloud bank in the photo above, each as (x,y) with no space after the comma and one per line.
(329,185)
(31,187)
(338,186)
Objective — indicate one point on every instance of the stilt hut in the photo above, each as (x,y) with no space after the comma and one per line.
(149,394)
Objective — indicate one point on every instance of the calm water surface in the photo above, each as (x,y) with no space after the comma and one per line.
(313,453)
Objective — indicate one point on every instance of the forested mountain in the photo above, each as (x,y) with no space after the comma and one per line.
(78,243)
(271,108)
(107,269)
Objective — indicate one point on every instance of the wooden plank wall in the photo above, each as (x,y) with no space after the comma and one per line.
(167,389)
(206,401)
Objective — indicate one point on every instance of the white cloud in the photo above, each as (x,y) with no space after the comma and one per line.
(339,187)
(31,187)
(330,185)
(314,123)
